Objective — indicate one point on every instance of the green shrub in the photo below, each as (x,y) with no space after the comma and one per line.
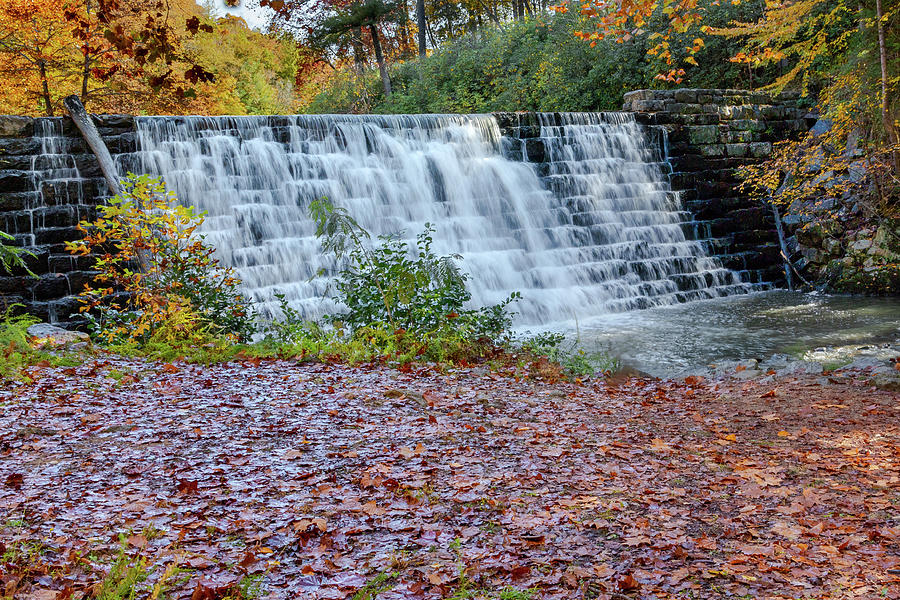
(16,352)
(393,286)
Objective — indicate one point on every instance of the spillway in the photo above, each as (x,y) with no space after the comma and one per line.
(577,215)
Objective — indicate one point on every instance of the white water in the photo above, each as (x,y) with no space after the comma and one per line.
(598,231)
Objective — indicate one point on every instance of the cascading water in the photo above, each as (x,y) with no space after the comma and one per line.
(591,230)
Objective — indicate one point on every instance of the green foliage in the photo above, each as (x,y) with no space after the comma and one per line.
(124,578)
(570,355)
(157,281)
(248,588)
(380,583)
(536,64)
(16,353)
(392,285)
(257,70)
(12,257)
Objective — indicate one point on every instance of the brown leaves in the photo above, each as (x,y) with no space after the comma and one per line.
(258,468)
(186,486)
(209,590)
(411,452)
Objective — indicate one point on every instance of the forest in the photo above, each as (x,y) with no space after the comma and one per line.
(473,300)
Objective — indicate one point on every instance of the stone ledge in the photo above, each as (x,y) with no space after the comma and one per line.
(12,126)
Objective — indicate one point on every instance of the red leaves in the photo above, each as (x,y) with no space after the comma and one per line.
(14,480)
(521,484)
(186,486)
(627,584)
(208,590)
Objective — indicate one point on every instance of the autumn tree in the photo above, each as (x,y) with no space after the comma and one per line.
(37,51)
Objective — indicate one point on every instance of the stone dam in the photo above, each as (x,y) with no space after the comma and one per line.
(584,213)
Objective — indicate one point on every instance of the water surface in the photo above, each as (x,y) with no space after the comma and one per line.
(667,340)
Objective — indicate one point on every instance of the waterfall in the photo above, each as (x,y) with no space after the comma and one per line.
(588,228)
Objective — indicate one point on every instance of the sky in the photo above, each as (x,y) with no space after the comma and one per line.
(255,16)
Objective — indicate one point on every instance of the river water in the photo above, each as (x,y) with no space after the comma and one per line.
(667,340)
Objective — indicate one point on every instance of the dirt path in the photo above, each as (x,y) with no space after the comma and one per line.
(315,481)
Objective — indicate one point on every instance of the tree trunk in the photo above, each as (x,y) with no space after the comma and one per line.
(420,21)
(379,58)
(45,85)
(886,119)
(86,66)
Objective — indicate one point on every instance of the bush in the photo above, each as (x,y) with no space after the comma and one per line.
(156,276)
(393,285)
(402,303)
(16,352)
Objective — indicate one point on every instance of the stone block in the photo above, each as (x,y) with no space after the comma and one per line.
(15,163)
(685,109)
(698,119)
(505,120)
(760,149)
(15,181)
(686,96)
(647,105)
(50,287)
(17,223)
(19,286)
(813,255)
(737,112)
(123,144)
(735,137)
(44,334)
(12,126)
(535,150)
(712,150)
(747,125)
(640,95)
(737,149)
(17,200)
(117,121)
(772,112)
(688,162)
(832,246)
(56,235)
(703,134)
(19,146)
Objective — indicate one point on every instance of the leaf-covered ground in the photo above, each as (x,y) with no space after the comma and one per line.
(289,480)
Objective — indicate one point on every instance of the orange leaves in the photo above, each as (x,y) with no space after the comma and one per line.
(409,452)
(660,445)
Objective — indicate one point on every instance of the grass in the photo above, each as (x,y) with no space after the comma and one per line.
(380,583)
(16,352)
(124,578)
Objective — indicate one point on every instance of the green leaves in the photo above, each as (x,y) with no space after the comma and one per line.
(406,288)
(12,257)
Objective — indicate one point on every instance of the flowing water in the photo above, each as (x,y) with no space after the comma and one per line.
(591,230)
(580,220)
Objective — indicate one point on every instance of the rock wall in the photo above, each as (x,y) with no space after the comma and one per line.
(711,134)
(49,181)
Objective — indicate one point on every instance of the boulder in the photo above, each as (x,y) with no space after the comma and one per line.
(44,334)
